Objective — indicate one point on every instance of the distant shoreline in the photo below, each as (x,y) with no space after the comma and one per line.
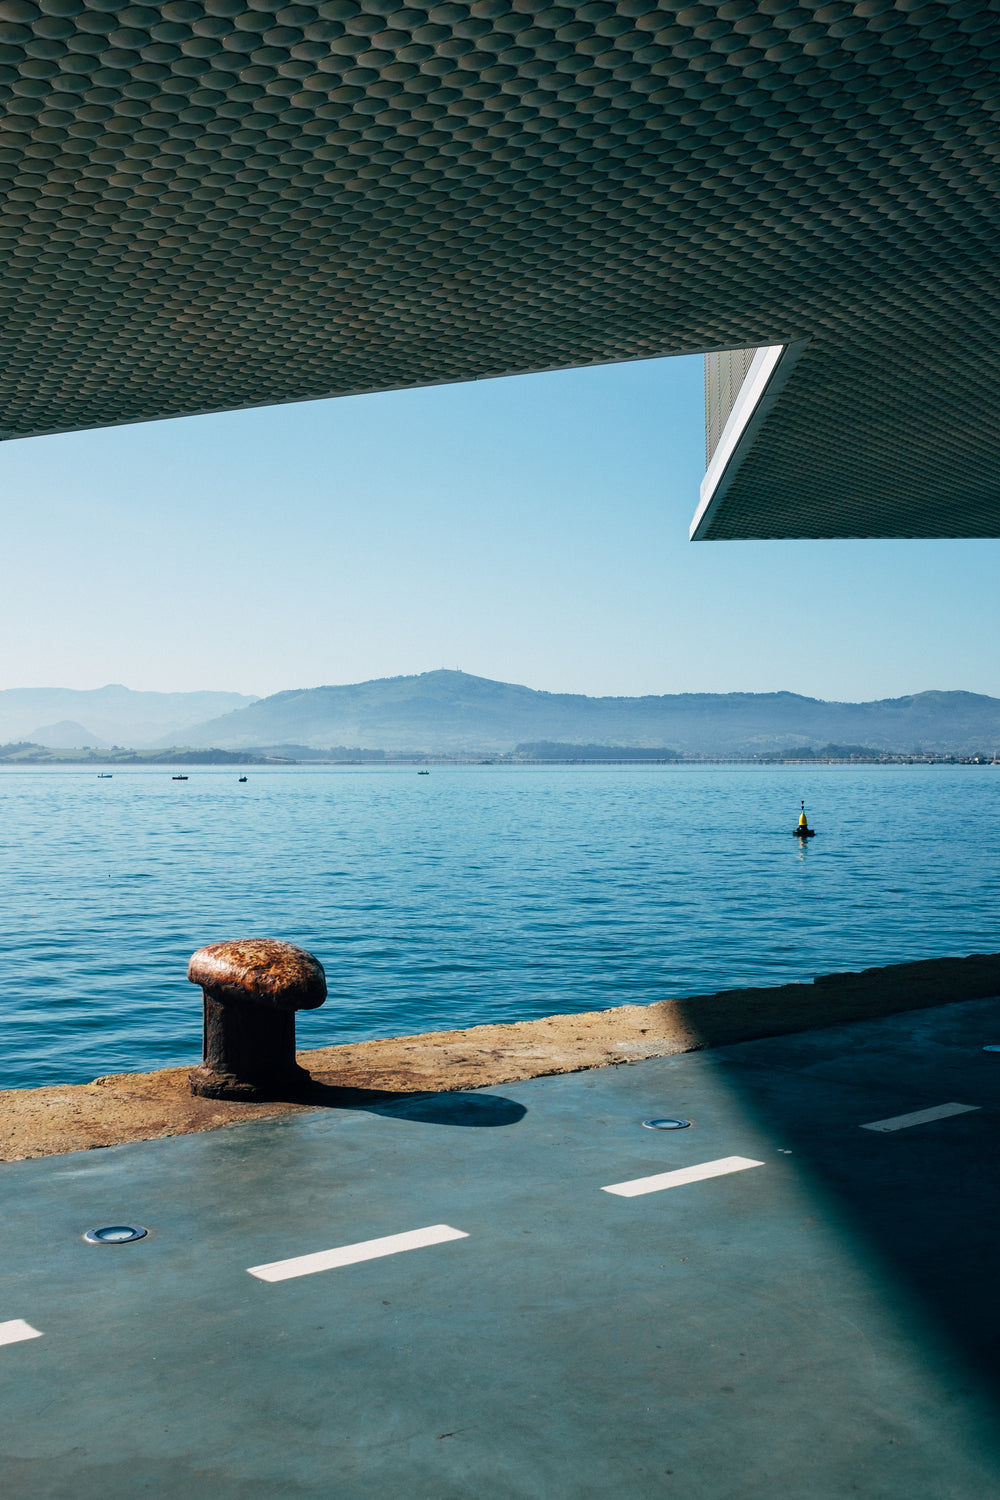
(37,755)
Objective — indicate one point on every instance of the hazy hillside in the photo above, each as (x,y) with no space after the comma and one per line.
(66,735)
(452,711)
(115,715)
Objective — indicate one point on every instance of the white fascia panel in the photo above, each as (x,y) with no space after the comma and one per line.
(769,369)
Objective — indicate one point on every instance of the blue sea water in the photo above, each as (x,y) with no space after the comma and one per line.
(477,893)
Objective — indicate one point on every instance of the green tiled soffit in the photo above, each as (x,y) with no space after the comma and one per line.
(211,204)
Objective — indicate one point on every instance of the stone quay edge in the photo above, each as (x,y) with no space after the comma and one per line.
(125,1107)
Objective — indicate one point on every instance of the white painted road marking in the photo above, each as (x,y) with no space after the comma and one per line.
(349,1255)
(706,1169)
(16,1330)
(921,1117)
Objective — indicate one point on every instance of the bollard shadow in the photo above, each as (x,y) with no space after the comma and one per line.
(455,1109)
(474,1110)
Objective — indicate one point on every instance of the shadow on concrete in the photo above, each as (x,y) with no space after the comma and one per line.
(477,1110)
(920,1207)
(457,1109)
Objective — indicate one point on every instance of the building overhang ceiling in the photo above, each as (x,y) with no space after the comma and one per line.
(211,204)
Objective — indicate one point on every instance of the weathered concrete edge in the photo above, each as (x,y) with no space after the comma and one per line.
(146,1106)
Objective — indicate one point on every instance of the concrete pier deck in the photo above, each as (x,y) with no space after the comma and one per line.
(800,1306)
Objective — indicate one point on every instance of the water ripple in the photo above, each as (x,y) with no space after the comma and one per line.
(477,894)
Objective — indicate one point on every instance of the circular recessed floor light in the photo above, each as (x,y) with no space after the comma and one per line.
(666,1124)
(115,1234)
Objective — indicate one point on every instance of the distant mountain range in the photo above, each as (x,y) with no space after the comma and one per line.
(453,712)
(67,718)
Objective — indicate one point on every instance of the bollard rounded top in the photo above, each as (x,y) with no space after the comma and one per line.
(260,971)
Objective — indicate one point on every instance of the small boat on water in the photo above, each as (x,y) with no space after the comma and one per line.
(178,778)
(423,773)
(105,775)
(243,778)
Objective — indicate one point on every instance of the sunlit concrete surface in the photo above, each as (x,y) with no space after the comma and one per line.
(819,1321)
(211,204)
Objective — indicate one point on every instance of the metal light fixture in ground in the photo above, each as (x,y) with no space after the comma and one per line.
(115,1234)
(671,1123)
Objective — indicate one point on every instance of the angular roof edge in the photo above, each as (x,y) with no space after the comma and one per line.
(765,379)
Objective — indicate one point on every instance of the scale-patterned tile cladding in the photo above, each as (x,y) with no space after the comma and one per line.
(212,204)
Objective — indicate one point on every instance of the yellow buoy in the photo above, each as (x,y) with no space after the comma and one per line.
(803,831)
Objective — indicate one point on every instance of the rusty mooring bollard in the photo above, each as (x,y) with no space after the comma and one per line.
(252,989)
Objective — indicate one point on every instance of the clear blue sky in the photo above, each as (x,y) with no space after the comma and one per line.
(531,529)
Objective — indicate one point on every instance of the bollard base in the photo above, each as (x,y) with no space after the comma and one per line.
(210,1083)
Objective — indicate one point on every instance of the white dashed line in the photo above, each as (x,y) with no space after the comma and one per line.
(706,1169)
(921,1117)
(16,1330)
(349,1255)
